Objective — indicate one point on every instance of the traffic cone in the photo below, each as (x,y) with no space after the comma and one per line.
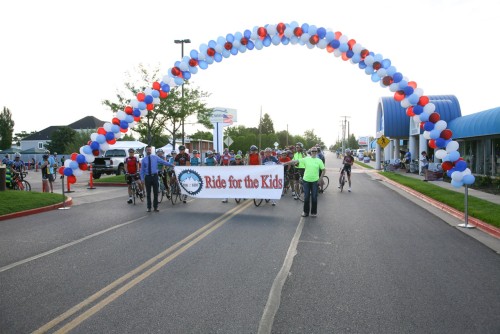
(91,183)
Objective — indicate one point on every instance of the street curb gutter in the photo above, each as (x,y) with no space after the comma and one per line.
(490,229)
(67,202)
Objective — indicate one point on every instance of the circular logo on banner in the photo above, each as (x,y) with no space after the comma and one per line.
(190,181)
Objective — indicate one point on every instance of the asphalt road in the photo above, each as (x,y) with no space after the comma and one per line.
(373,261)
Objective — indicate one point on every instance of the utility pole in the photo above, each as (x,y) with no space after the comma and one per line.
(344,125)
(181,42)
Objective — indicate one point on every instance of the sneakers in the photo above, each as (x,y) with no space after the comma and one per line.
(129,200)
(304,214)
(156,210)
(314,214)
(349,190)
(141,195)
(224,200)
(338,186)
(273,203)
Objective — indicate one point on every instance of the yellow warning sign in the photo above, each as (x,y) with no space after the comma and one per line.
(383,141)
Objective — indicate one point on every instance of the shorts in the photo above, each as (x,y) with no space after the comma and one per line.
(129,178)
(299,173)
(347,170)
(51,177)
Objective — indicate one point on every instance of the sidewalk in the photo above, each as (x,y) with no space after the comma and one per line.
(472,192)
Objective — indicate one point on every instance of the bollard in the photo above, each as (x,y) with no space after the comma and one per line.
(64,207)
(91,183)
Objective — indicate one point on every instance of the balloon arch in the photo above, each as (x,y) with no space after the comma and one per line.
(378,68)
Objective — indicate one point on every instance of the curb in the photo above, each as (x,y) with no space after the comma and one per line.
(485,227)
(67,202)
(104,184)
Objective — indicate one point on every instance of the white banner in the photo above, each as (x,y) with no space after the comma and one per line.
(231,182)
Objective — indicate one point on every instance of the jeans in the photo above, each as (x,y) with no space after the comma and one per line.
(310,191)
(151,180)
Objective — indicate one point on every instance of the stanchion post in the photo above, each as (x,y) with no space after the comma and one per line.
(466,210)
(64,207)
(91,183)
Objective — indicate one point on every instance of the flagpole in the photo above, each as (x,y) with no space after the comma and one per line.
(260,133)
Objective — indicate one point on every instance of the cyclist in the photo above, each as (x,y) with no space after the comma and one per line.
(44,167)
(182,159)
(210,160)
(195,159)
(347,162)
(225,158)
(254,156)
(270,159)
(18,165)
(299,169)
(162,170)
(5,159)
(238,161)
(131,165)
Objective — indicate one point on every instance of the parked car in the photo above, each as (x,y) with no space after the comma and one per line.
(360,153)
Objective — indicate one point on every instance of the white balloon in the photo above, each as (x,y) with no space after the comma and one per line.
(357,48)
(134,103)
(337,53)
(89,158)
(148,91)
(67,162)
(418,91)
(440,154)
(120,114)
(118,135)
(452,146)
(93,136)
(467,172)
(343,39)
(405,103)
(427,135)
(77,172)
(457,176)
(394,87)
(440,125)
(104,146)
(416,119)
(430,107)
(107,126)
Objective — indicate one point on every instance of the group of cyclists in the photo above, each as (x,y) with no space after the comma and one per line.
(293,172)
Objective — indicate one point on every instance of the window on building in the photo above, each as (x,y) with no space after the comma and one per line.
(40,145)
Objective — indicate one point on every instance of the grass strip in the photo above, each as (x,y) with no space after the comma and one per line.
(477,207)
(363,164)
(14,201)
(111,179)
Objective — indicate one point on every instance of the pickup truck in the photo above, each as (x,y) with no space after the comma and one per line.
(112,162)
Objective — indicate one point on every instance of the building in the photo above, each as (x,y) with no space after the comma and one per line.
(478,134)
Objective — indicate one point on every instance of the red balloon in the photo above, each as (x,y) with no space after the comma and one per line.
(409,111)
(262,32)
(377,65)
(314,39)
(73,156)
(228,46)
(101,131)
(129,110)
(115,121)
(95,153)
(176,72)
(351,43)
(447,165)
(156,85)
(141,96)
(280,28)
(150,106)
(71,179)
(193,62)
(422,125)
(338,34)
(163,95)
(423,100)
(446,134)
(399,95)
(387,80)
(244,41)
(329,48)
(434,117)
(211,52)
(432,143)
(344,56)
(112,141)
(364,53)
(412,84)
(137,118)
(61,170)
(83,166)
(123,130)
(298,31)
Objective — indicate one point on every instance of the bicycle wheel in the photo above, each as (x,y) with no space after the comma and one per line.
(286,185)
(238,200)
(300,194)
(257,202)
(175,193)
(134,192)
(342,182)
(161,191)
(27,186)
(326,182)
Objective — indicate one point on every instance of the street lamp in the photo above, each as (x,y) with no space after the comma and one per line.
(181,42)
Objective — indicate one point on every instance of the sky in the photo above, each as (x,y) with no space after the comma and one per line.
(61,59)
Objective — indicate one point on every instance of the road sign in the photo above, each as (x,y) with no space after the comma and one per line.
(228,141)
(276,145)
(383,141)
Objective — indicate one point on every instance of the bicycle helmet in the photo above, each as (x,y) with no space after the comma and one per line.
(173,152)
(299,144)
(131,150)
(182,148)
(347,151)
(237,156)
(268,149)
(195,151)
(17,155)
(159,151)
(253,148)
(210,152)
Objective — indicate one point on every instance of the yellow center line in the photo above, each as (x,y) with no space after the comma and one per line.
(174,250)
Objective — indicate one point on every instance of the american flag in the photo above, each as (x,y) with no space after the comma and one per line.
(227,118)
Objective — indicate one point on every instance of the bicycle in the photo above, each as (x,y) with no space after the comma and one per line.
(175,191)
(342,179)
(136,193)
(258,201)
(326,183)
(161,187)
(19,183)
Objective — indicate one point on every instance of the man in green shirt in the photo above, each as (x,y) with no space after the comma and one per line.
(314,169)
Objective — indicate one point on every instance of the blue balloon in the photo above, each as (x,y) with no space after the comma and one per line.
(166,87)
(148,99)
(386,63)
(362,65)
(408,90)
(335,44)
(203,65)
(424,117)
(321,32)
(285,40)
(457,184)
(193,54)
(305,27)
(343,47)
(80,158)
(418,109)
(429,126)
(234,51)
(109,136)
(101,139)
(129,118)
(449,172)
(68,171)
(155,93)
(460,165)
(276,40)
(267,41)
(230,38)
(186,75)
(141,105)
(115,128)
(413,99)
(349,53)
(212,44)
(247,34)
(124,124)
(250,45)
(397,77)
(178,81)
(440,142)
(375,77)
(73,165)
(454,156)
(87,149)
(468,179)
(136,112)
(218,57)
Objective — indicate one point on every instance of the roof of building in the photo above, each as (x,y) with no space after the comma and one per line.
(88,122)
(396,123)
(483,123)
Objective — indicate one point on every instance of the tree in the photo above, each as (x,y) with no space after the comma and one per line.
(6,128)
(80,138)
(352,142)
(266,125)
(60,140)
(202,135)
(127,137)
(21,135)
(311,139)
(166,119)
